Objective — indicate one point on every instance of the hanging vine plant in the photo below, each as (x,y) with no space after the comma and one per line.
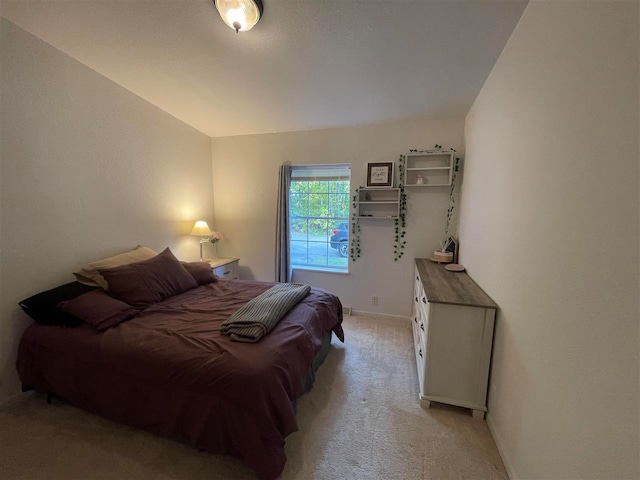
(452,203)
(401,221)
(354,250)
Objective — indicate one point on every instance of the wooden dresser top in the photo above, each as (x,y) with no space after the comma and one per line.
(456,288)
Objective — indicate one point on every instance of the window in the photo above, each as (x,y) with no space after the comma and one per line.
(319,199)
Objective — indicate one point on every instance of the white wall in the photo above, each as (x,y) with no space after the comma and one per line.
(549,227)
(88,170)
(245,187)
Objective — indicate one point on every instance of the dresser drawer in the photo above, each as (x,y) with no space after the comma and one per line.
(228,271)
(421,329)
(417,283)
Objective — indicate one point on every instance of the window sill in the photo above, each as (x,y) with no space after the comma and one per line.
(320,269)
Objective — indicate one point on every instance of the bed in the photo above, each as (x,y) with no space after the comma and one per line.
(169,370)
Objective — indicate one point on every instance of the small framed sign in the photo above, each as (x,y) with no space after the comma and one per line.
(380,174)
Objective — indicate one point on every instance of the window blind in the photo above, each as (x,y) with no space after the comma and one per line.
(314,173)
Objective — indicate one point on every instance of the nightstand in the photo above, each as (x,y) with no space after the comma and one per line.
(226,268)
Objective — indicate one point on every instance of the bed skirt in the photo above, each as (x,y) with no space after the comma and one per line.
(318,360)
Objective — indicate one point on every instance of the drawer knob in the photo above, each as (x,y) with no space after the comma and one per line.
(424,300)
(422,327)
(416,299)
(227,272)
(420,353)
(415,319)
(417,278)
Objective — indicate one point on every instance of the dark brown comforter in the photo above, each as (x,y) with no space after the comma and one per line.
(170,371)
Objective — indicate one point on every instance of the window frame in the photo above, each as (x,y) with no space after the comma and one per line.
(320,173)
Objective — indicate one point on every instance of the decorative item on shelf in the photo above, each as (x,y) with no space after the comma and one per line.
(241,15)
(214,239)
(201,229)
(419,180)
(379,174)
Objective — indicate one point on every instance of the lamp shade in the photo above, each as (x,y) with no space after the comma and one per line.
(241,15)
(201,229)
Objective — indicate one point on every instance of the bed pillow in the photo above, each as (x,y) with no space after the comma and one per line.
(42,306)
(141,284)
(99,309)
(89,274)
(201,272)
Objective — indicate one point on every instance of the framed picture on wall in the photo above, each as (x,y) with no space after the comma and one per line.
(380,174)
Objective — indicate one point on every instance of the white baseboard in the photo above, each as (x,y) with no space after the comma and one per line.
(13,399)
(381,315)
(511,473)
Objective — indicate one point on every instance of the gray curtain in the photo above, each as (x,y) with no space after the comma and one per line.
(283,266)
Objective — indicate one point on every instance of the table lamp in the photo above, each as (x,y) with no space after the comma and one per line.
(202,230)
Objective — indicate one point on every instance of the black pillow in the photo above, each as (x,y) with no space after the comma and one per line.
(42,307)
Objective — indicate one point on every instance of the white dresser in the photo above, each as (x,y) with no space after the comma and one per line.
(226,268)
(453,334)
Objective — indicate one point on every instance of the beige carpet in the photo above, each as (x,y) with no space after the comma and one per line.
(361,421)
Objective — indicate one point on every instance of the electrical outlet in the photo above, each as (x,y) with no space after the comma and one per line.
(374,300)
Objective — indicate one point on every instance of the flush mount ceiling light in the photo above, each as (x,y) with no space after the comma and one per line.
(241,15)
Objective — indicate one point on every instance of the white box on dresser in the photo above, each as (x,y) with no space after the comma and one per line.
(453,323)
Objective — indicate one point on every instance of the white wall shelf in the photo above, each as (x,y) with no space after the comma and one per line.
(378,203)
(434,168)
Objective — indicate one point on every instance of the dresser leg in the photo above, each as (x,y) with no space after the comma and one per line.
(424,403)
(477,414)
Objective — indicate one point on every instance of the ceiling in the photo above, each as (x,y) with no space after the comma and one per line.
(307,64)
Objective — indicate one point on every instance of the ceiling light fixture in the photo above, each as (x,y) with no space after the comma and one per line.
(241,15)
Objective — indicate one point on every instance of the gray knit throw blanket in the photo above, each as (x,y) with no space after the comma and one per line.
(259,315)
